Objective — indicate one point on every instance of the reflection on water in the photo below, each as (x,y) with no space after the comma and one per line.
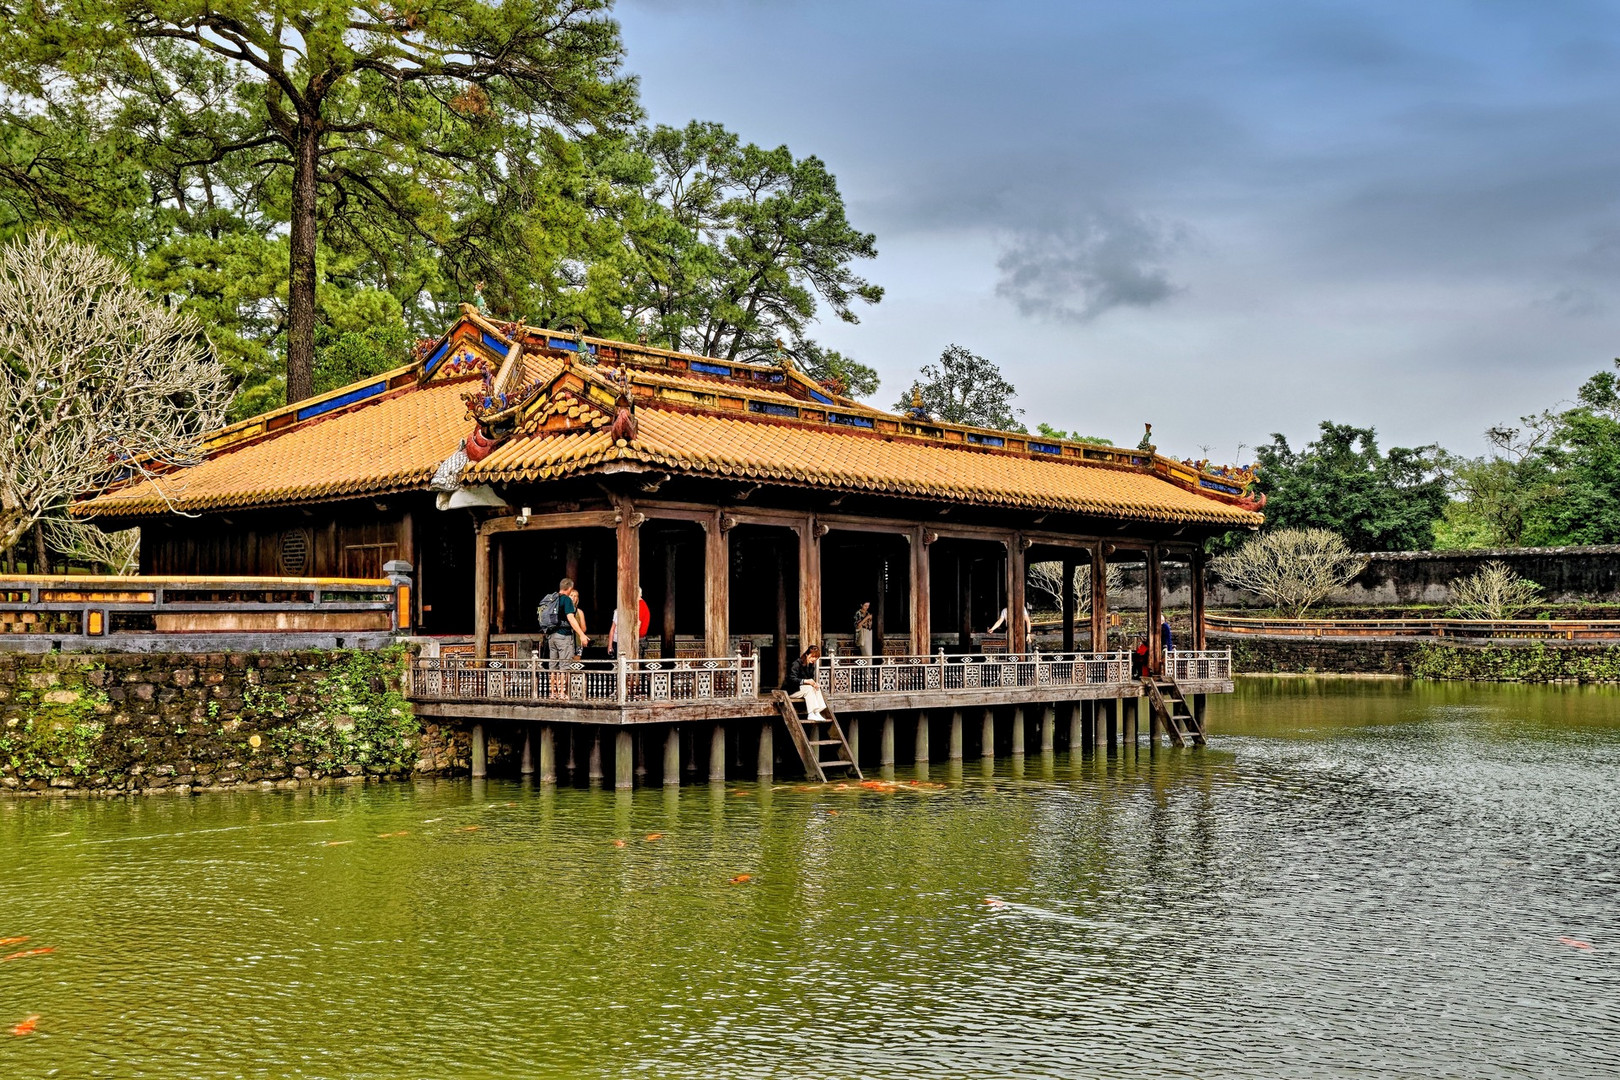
(1364,878)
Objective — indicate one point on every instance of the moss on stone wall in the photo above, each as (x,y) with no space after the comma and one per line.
(1530,662)
(128,722)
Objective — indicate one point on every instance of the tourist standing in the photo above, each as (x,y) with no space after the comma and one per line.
(569,638)
(863,629)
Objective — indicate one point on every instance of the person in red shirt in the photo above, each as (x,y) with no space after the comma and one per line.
(644,620)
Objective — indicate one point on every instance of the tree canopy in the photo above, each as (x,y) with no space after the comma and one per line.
(1342,482)
(964,388)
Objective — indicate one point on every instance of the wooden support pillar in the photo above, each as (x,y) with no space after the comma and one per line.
(1116,712)
(640,756)
(1133,709)
(593,770)
(548,754)
(498,587)
(921,612)
(1195,572)
(920,753)
(628,535)
(956,735)
(1019,720)
(480,758)
(1077,725)
(624,758)
(1049,729)
(1017,620)
(481,588)
(1099,598)
(1199,701)
(765,765)
(666,634)
(810,534)
(852,732)
(1102,720)
(1070,602)
(717,753)
(716,587)
(886,744)
(987,734)
(672,755)
(781,618)
(1155,610)
(527,768)
(880,604)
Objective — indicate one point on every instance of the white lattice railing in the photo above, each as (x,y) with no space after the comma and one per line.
(853,675)
(536,681)
(1198,666)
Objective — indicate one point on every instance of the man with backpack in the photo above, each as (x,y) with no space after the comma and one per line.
(562,622)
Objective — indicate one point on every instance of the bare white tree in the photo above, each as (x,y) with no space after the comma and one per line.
(1045,582)
(1291,568)
(117,553)
(98,382)
(1494,591)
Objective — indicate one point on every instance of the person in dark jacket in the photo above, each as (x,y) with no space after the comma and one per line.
(801,683)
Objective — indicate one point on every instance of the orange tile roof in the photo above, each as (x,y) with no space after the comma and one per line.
(757,449)
(390,444)
(391,433)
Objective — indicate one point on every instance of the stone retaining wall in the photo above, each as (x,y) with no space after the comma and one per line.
(81,724)
(1495,661)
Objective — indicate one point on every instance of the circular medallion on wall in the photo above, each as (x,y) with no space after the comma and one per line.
(295,552)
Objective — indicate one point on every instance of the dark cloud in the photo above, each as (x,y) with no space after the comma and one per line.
(1080,270)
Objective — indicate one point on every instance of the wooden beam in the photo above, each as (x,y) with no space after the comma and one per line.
(716,587)
(1195,571)
(582,519)
(1099,599)
(809,583)
(499,585)
(1017,620)
(628,535)
(1155,610)
(666,636)
(921,590)
(481,594)
(1070,602)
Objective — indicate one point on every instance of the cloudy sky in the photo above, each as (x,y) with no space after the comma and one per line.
(1227,218)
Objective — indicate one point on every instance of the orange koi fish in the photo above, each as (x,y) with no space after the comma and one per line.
(391,835)
(25,1027)
(740,878)
(28,952)
(618,843)
(1574,944)
(468,828)
(654,836)
(18,940)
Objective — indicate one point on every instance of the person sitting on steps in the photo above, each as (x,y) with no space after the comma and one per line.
(800,684)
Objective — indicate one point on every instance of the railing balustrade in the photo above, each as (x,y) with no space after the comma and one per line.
(594,682)
(857,675)
(1198,665)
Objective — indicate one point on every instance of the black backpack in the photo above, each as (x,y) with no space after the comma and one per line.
(550,619)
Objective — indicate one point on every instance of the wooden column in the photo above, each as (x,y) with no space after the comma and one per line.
(1099,598)
(1018,730)
(480,758)
(1195,570)
(672,755)
(1077,725)
(1102,719)
(1155,609)
(987,734)
(624,759)
(527,767)
(498,586)
(716,587)
(920,752)
(594,768)
(628,535)
(781,617)
(666,635)
(886,746)
(1049,729)
(852,732)
(548,754)
(1070,603)
(921,632)
(481,576)
(956,735)
(809,582)
(879,603)
(1133,709)
(1017,621)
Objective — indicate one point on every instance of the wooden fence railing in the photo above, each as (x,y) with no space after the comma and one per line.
(842,676)
(124,607)
(1538,629)
(597,682)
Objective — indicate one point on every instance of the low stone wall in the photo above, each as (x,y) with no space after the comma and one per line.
(131,722)
(1489,661)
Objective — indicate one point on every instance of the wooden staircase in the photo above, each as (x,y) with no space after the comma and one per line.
(1171,709)
(813,739)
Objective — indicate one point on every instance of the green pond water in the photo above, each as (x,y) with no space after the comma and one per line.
(1355,879)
